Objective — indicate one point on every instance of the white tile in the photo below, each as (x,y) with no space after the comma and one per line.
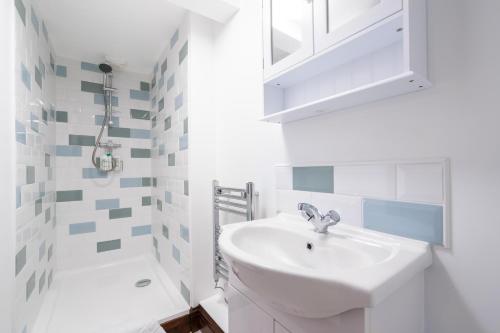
(348,207)
(283,177)
(371,180)
(420,182)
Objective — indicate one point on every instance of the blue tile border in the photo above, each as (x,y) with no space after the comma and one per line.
(313,179)
(411,220)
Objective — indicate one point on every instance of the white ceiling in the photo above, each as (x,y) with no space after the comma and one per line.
(134,31)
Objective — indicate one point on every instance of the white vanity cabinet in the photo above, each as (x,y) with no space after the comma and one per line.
(327,55)
(287,33)
(403,311)
(336,20)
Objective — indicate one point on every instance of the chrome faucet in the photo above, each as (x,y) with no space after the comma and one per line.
(320,222)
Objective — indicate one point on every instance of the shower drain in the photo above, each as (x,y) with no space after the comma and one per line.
(142,283)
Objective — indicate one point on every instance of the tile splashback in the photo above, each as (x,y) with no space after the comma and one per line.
(406,198)
(36,163)
(169,155)
(99,212)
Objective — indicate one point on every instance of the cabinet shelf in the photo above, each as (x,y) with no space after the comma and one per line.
(386,59)
(393,86)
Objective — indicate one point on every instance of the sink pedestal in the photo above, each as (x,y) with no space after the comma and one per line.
(400,312)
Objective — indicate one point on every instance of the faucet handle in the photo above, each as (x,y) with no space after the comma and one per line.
(332,216)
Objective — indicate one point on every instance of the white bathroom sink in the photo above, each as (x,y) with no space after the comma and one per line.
(316,275)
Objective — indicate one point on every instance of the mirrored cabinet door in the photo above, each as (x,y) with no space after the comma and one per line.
(288,34)
(336,20)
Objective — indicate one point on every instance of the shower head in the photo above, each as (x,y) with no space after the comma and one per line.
(105,68)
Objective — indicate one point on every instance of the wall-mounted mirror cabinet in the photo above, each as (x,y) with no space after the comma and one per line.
(289,28)
(326,55)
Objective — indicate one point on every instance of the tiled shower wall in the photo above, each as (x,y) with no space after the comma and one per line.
(35,186)
(101,216)
(170,193)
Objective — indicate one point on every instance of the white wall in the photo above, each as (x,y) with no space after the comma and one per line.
(7,165)
(457,118)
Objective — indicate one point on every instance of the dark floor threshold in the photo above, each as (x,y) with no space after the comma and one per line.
(196,320)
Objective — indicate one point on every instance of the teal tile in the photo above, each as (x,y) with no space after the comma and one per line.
(109,245)
(155,242)
(99,100)
(146,201)
(164,231)
(176,254)
(99,119)
(107,204)
(35,122)
(47,160)
(185,126)
(153,122)
(61,71)
(30,285)
(171,82)
(140,153)
(42,249)
(20,132)
(41,282)
(91,87)
(93,173)
(47,215)
(179,101)
(21,10)
(131,182)
(168,197)
(186,294)
(38,207)
(68,151)
(411,220)
(168,123)
(146,181)
(161,104)
(72,195)
(184,232)
(144,86)
(138,133)
(186,187)
(140,114)
(30,174)
(20,260)
(313,179)
(164,66)
(61,116)
(183,52)
(82,228)
(38,77)
(171,159)
(81,140)
(119,132)
(50,252)
(26,77)
(139,95)
(174,38)
(87,66)
(50,278)
(183,142)
(120,213)
(34,21)
(141,230)
(159,205)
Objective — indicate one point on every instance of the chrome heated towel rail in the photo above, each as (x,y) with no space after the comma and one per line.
(232,200)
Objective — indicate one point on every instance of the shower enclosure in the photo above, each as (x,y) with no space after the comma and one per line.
(114,166)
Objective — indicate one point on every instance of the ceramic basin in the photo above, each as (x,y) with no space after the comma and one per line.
(316,275)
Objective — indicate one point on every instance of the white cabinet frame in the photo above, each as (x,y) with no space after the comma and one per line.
(323,38)
(307,49)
